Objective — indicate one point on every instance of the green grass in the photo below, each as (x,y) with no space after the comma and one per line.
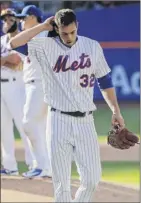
(117,172)
(131,116)
(102,119)
(122,172)
(22,167)
(16,133)
(102,139)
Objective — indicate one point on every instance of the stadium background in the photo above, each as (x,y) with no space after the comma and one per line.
(116,26)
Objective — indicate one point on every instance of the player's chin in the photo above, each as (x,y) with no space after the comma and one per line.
(69,43)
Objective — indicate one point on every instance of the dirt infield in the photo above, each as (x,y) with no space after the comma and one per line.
(17,189)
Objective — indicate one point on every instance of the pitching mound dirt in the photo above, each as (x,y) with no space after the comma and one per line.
(16,196)
(109,153)
(17,189)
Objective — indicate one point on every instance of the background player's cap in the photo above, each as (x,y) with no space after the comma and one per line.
(7,12)
(30,10)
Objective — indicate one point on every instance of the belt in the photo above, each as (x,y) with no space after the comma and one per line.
(75,114)
(7,80)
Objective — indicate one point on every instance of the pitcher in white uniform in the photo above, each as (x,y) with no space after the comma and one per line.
(12,99)
(70,65)
(35,109)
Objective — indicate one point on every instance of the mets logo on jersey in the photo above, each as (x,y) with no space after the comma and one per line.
(61,64)
(84,62)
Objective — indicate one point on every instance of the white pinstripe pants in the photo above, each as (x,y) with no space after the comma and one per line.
(69,135)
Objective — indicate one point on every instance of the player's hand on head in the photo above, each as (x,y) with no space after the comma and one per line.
(48,23)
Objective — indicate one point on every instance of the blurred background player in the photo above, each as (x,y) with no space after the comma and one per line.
(12,97)
(35,109)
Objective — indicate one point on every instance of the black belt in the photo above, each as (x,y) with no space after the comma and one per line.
(75,114)
(7,80)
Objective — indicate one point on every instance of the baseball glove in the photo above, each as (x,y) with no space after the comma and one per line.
(123,139)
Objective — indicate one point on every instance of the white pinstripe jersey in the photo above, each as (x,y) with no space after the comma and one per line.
(69,73)
(32,71)
(5,71)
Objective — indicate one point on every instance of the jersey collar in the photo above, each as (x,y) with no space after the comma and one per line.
(58,37)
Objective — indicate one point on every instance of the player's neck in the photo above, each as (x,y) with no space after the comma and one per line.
(66,44)
(13,34)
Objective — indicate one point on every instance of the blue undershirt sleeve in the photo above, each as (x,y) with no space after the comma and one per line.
(105,82)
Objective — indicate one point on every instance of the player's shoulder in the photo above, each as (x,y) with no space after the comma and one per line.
(88,40)
(39,42)
(41,38)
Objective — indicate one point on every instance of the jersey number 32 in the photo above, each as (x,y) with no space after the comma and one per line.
(87,81)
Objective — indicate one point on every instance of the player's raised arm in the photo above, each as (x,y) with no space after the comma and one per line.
(25,36)
(106,86)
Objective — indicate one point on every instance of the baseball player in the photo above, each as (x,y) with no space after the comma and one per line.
(12,99)
(70,65)
(35,109)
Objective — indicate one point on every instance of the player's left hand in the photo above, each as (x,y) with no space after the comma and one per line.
(117,119)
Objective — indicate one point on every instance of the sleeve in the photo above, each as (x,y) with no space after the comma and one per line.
(105,82)
(101,65)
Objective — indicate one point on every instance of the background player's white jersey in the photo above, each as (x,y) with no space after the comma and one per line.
(69,74)
(5,71)
(31,70)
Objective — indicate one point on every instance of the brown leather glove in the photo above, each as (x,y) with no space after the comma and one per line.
(123,139)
